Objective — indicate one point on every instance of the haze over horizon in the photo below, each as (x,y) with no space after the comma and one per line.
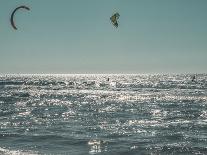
(76,36)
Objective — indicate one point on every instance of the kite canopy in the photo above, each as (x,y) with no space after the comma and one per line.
(114,19)
(13,13)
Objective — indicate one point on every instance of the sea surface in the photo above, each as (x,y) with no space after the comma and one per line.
(103,114)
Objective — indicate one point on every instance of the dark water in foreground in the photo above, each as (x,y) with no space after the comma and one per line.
(86,114)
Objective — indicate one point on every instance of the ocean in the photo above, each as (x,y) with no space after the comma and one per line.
(103,114)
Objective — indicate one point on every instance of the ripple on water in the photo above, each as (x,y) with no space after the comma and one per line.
(85,114)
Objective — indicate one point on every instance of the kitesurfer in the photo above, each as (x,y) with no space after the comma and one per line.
(193,78)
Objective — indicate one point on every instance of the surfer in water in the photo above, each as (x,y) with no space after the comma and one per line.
(193,78)
(108,79)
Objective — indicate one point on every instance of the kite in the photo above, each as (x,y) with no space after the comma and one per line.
(114,19)
(13,13)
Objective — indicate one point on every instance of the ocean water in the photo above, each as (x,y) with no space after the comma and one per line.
(89,115)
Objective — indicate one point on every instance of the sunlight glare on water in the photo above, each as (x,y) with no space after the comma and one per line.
(87,114)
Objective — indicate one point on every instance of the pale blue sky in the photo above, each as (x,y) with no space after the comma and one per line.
(76,36)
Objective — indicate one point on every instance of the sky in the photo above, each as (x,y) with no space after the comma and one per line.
(76,36)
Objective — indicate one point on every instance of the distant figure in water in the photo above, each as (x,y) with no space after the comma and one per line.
(193,78)
(108,79)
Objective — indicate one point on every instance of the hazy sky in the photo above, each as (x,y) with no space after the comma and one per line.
(76,36)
